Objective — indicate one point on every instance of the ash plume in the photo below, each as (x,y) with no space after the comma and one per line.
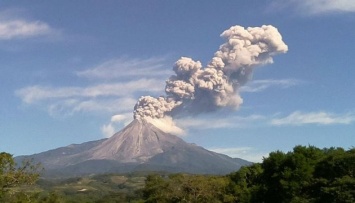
(197,89)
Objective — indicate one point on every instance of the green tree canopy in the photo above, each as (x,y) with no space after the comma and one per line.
(12,176)
(186,188)
(306,174)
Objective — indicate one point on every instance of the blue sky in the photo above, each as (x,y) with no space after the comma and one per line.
(72,72)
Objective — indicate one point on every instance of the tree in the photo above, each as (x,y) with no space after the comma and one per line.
(12,176)
(245,183)
(288,176)
(186,188)
(154,189)
(335,177)
(306,174)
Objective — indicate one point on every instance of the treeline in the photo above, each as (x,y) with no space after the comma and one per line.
(305,175)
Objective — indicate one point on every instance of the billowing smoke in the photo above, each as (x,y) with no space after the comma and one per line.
(196,89)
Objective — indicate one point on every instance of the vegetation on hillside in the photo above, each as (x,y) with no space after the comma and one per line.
(307,174)
(13,177)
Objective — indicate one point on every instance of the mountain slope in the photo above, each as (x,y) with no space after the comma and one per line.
(138,142)
(140,146)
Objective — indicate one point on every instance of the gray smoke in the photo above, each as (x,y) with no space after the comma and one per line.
(196,89)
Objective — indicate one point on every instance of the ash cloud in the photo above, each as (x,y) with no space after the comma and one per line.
(197,89)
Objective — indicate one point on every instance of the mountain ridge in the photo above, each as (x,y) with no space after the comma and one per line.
(140,146)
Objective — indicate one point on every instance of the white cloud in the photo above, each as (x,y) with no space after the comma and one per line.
(123,118)
(321,118)
(167,125)
(106,105)
(67,107)
(296,118)
(315,6)
(35,94)
(260,85)
(118,118)
(108,130)
(124,67)
(246,153)
(137,77)
(116,121)
(324,6)
(14,29)
(100,96)
(216,123)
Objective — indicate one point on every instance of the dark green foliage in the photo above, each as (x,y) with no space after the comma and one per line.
(13,177)
(186,188)
(305,175)
(335,176)
(287,176)
(245,183)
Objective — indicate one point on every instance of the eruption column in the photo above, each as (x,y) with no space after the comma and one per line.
(195,89)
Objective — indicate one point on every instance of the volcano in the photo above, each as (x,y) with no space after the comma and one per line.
(140,146)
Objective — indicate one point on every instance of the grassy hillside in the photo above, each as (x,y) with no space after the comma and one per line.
(98,188)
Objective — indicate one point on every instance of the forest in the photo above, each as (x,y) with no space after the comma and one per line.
(305,174)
